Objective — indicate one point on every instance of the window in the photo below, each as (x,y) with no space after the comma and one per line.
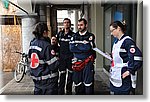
(10,21)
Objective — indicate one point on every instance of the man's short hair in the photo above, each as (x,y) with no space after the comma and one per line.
(84,20)
(68,20)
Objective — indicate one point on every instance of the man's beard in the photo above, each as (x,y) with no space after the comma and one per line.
(82,30)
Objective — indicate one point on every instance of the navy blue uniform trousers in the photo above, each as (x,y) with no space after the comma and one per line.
(64,65)
(84,80)
(46,87)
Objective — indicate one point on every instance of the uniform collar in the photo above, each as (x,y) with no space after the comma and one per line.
(116,39)
(122,36)
(67,33)
(83,33)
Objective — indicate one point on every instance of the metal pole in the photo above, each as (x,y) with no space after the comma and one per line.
(19,7)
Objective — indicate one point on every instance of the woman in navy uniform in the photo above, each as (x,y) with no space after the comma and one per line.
(44,65)
(81,45)
(127,59)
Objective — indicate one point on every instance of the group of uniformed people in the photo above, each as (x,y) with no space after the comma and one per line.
(71,55)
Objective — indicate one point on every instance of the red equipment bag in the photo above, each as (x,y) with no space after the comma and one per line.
(79,65)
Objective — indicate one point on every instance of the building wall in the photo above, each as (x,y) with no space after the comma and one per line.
(0,50)
(96,12)
(139,42)
(26,5)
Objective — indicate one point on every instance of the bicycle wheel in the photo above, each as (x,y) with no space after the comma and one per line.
(19,72)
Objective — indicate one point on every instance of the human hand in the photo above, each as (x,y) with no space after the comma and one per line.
(125,74)
(85,42)
(107,53)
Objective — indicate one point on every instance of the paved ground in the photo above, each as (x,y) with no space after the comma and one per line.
(25,87)
(5,77)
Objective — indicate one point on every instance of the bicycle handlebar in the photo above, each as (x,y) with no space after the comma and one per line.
(19,52)
(23,54)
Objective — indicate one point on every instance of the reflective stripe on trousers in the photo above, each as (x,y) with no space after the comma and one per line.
(133,79)
(45,76)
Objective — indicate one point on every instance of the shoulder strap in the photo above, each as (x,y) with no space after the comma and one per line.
(126,37)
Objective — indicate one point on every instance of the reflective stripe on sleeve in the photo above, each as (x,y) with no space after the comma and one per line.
(36,48)
(40,61)
(137,58)
(81,42)
(51,61)
(122,50)
(65,39)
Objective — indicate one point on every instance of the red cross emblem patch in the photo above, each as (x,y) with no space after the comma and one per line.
(34,60)
(91,38)
(53,52)
(132,50)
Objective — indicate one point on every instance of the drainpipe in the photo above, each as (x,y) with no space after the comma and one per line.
(48,20)
(42,13)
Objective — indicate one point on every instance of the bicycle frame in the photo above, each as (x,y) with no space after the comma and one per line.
(22,67)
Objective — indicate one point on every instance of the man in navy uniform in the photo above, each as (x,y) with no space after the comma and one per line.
(66,56)
(55,47)
(81,45)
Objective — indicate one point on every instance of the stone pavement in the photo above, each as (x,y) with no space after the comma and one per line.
(25,87)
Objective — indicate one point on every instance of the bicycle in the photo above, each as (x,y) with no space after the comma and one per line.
(21,68)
